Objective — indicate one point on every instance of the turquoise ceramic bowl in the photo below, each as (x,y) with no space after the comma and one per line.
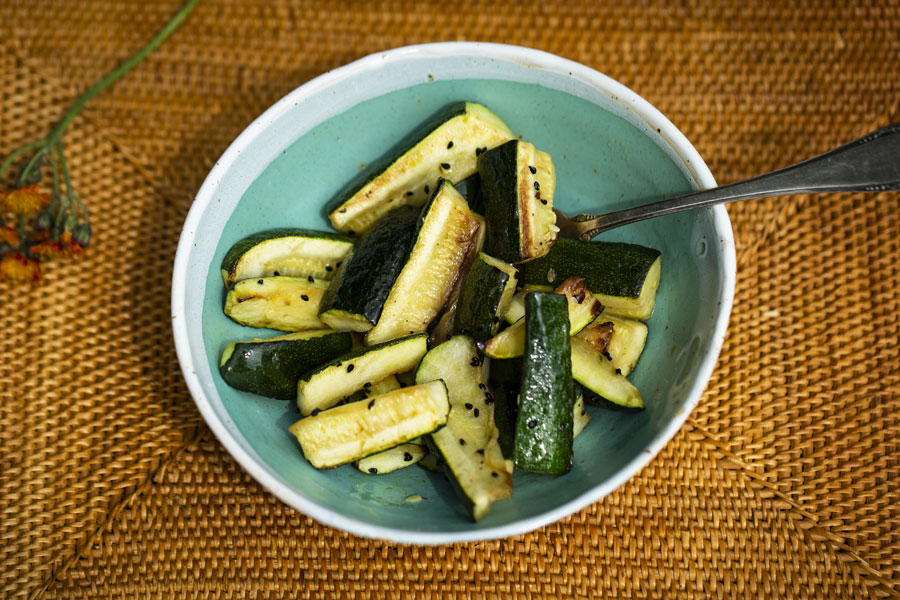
(611,150)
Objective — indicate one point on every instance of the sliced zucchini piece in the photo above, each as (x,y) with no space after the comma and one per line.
(392,459)
(446,146)
(622,339)
(468,444)
(583,309)
(354,431)
(272,367)
(544,424)
(285,303)
(325,386)
(289,252)
(517,182)
(446,232)
(595,372)
(580,415)
(470,188)
(358,290)
(624,277)
(485,297)
(505,382)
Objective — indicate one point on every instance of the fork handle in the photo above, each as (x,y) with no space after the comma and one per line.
(868,164)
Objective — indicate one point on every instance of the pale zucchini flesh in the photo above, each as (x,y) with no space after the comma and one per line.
(448,151)
(392,459)
(424,285)
(594,371)
(354,431)
(626,344)
(284,303)
(580,416)
(468,444)
(329,384)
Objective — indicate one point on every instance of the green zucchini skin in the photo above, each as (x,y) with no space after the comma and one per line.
(484,298)
(544,425)
(362,283)
(470,188)
(233,269)
(611,271)
(505,382)
(272,367)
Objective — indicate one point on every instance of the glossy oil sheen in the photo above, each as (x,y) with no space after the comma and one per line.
(602,162)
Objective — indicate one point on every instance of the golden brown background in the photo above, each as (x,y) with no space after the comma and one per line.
(785,481)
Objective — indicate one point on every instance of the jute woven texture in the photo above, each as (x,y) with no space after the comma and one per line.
(785,482)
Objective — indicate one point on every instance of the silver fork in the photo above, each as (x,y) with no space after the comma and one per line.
(868,164)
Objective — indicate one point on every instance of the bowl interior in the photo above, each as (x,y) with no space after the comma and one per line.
(605,158)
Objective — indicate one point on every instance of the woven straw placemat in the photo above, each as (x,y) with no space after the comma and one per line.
(785,481)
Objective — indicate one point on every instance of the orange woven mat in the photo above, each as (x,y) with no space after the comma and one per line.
(785,482)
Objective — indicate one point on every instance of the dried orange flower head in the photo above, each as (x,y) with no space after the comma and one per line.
(25,200)
(9,236)
(64,247)
(18,269)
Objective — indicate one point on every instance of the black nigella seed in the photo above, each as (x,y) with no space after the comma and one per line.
(543,201)
(468,406)
(371,404)
(475,362)
(606,355)
(408,194)
(310,279)
(343,210)
(445,166)
(260,282)
(494,474)
(339,263)
(407,457)
(462,442)
(276,273)
(481,452)
(537,186)
(488,396)
(450,145)
(339,363)
(304,297)
(533,170)
(532,424)
(349,368)
(426,189)
(367,384)
(314,412)
(475,413)
(482,387)
(373,471)
(477,151)
(328,268)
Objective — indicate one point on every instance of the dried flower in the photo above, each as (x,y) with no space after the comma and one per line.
(25,200)
(18,269)
(64,247)
(10,236)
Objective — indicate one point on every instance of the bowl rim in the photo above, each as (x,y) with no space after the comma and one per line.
(632,102)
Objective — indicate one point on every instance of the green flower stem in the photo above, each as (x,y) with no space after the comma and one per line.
(35,161)
(17,153)
(56,133)
(70,192)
